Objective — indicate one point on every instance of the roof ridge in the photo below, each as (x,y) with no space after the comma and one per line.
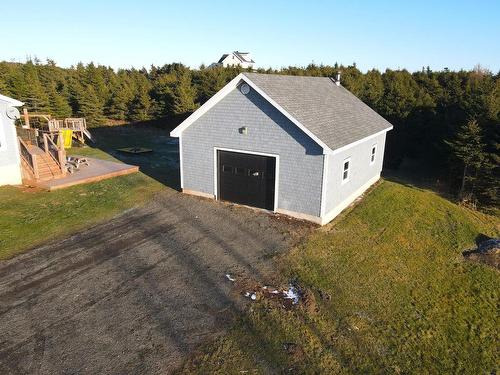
(289,75)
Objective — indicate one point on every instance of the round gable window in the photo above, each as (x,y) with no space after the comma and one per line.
(245,89)
(12,113)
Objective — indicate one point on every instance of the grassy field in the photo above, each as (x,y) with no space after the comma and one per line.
(388,292)
(31,216)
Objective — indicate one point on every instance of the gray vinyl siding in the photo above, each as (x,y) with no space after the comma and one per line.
(360,170)
(8,138)
(269,131)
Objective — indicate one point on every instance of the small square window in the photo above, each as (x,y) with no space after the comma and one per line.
(373,154)
(227,169)
(346,170)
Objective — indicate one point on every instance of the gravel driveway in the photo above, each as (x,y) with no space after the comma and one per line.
(136,294)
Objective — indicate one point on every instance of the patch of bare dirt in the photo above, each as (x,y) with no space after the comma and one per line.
(139,293)
(487,252)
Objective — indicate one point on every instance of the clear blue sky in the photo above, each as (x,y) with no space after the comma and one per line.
(410,34)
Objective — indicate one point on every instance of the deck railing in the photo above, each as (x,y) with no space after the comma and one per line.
(28,158)
(78,124)
(54,124)
(51,142)
(50,145)
(75,123)
(29,136)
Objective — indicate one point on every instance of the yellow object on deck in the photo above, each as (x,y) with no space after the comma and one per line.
(67,137)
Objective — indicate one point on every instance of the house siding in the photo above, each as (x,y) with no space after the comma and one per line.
(10,162)
(269,131)
(339,194)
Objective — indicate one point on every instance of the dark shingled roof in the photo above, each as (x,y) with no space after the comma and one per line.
(223,57)
(330,112)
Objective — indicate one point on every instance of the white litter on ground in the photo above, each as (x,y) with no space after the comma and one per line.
(252,296)
(292,293)
(230,278)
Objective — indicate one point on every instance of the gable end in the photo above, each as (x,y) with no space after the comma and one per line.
(225,91)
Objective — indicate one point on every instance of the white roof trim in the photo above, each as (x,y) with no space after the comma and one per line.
(226,90)
(359,141)
(12,102)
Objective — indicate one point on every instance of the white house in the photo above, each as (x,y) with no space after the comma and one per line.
(10,161)
(235,58)
(302,146)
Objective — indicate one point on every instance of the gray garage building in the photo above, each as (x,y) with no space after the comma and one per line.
(301,146)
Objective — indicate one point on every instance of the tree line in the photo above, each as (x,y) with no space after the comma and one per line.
(449,121)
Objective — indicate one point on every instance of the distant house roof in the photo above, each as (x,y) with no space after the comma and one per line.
(12,102)
(331,115)
(223,57)
(243,56)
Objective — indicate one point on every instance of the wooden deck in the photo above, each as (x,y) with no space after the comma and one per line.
(97,170)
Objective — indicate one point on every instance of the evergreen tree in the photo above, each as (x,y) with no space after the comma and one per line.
(399,98)
(120,99)
(209,81)
(91,107)
(4,90)
(468,149)
(184,94)
(140,107)
(372,89)
(29,89)
(174,91)
(59,106)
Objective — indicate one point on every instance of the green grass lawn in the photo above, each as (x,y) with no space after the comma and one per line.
(31,217)
(397,297)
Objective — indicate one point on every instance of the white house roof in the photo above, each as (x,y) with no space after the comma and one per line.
(329,114)
(243,56)
(12,102)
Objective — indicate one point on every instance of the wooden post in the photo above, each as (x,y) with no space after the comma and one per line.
(26,118)
(45,142)
(61,153)
(36,138)
(35,166)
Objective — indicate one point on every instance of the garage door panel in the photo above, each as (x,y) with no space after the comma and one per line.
(246,179)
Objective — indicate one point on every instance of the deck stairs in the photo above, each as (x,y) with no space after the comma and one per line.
(43,157)
(48,169)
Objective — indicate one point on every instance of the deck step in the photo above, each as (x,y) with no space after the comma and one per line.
(43,166)
(47,168)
